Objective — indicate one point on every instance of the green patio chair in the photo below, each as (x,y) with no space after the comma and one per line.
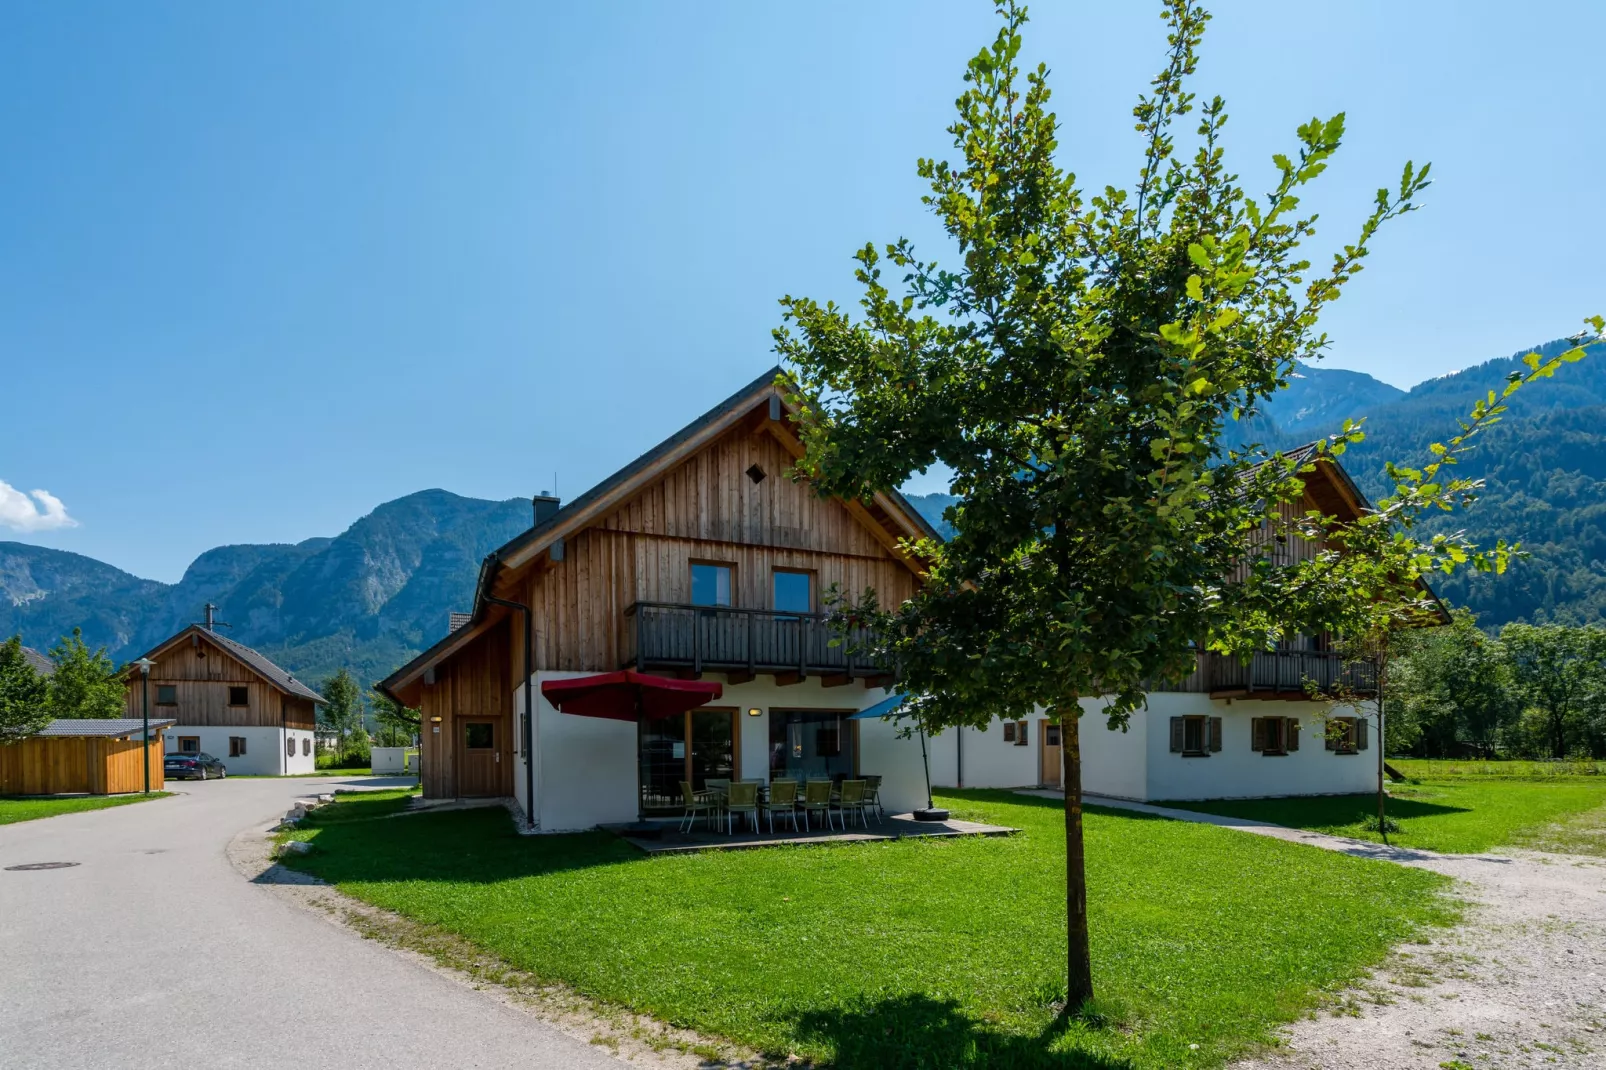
(872,796)
(783,801)
(817,800)
(851,801)
(741,798)
(698,803)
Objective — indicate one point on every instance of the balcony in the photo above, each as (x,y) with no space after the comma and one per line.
(1283,674)
(744,642)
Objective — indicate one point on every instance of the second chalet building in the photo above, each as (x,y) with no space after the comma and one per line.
(703,559)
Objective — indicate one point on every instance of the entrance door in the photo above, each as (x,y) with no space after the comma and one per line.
(1049,734)
(479,761)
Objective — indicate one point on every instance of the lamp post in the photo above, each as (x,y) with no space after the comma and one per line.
(145,687)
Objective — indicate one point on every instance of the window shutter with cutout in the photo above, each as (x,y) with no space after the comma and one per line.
(1360,733)
(1176,735)
(1293,734)
(1215,733)
(1257,733)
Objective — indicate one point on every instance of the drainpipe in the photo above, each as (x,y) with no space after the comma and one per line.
(529,691)
(959,756)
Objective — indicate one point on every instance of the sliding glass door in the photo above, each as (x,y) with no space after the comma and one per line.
(808,744)
(694,747)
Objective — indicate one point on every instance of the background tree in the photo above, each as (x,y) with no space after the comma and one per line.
(1084,372)
(1561,671)
(397,724)
(85,683)
(342,715)
(23,694)
(1448,688)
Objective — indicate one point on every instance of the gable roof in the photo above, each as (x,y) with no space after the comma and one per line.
(619,487)
(256,661)
(41,664)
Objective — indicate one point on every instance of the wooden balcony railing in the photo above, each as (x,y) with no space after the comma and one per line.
(1285,672)
(670,635)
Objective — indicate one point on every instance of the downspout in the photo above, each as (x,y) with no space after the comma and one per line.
(493,564)
(959,756)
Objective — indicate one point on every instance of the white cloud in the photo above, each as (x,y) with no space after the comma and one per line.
(44,512)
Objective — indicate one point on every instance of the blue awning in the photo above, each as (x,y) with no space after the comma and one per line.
(880,709)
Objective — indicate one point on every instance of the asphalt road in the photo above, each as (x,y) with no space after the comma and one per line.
(155,952)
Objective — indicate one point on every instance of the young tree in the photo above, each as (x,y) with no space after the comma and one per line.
(85,683)
(24,697)
(1449,686)
(1561,671)
(342,711)
(1082,372)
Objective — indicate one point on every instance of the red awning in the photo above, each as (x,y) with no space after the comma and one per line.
(628,696)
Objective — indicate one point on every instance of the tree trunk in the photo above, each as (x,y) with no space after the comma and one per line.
(1078,955)
(1382,683)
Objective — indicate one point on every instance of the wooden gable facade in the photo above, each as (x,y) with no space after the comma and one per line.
(205,677)
(608,582)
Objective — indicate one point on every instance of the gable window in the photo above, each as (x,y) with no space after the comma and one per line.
(167,694)
(1346,735)
(792,591)
(238,696)
(1274,736)
(711,584)
(1195,737)
(236,746)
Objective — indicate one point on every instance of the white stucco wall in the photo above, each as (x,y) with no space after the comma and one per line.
(264,748)
(586,766)
(1236,771)
(1114,763)
(980,758)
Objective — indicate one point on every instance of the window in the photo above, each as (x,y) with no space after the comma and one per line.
(1346,735)
(236,746)
(189,744)
(1051,735)
(239,696)
(306,746)
(1015,732)
(1274,736)
(711,584)
(1195,737)
(167,694)
(810,743)
(1021,735)
(693,748)
(793,591)
(479,735)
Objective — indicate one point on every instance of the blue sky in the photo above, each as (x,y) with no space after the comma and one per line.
(263,267)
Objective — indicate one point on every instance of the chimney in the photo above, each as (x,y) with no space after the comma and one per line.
(546,507)
(211,619)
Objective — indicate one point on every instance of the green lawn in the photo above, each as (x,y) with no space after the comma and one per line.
(929,954)
(30,807)
(356,770)
(1462,815)
(1443,769)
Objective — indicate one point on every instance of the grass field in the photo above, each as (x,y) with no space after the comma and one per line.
(15,808)
(908,954)
(1441,769)
(1460,815)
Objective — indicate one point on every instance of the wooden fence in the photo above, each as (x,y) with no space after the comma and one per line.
(70,765)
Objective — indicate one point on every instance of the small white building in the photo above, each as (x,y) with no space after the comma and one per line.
(229,701)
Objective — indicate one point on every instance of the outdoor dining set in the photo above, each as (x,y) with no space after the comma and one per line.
(832,802)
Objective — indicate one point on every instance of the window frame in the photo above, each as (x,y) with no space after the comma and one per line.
(244,691)
(172,689)
(812,575)
(692,565)
(195,745)
(237,745)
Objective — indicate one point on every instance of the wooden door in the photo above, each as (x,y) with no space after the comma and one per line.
(479,758)
(1048,736)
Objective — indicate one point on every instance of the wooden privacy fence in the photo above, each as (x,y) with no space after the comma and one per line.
(71,765)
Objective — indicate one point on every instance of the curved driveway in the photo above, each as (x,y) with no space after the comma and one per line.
(155,952)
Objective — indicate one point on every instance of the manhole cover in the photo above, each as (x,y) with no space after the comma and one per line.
(42,865)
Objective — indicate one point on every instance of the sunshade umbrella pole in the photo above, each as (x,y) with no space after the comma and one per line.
(931,812)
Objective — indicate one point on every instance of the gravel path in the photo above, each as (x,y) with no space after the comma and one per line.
(1521,983)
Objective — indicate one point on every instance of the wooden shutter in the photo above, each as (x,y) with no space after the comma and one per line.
(1257,733)
(1293,734)
(1360,733)
(1009,731)
(1215,733)
(1176,735)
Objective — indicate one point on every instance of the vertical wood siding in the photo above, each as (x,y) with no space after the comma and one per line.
(202,676)
(74,765)
(476,684)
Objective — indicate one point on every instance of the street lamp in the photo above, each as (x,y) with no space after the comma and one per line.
(145,686)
